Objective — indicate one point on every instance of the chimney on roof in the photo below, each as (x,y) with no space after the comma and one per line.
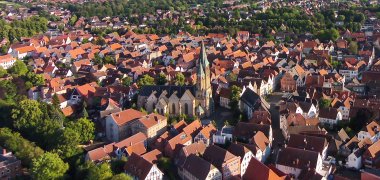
(4,151)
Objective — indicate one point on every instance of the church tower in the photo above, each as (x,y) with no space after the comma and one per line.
(203,86)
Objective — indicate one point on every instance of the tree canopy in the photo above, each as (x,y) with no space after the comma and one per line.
(19,68)
(145,80)
(180,79)
(48,166)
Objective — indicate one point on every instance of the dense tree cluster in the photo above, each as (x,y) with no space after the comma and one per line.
(23,149)
(281,19)
(22,28)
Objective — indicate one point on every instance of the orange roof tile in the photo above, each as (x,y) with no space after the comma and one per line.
(126,116)
(25,49)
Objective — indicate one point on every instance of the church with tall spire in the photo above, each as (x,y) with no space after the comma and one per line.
(190,100)
(203,86)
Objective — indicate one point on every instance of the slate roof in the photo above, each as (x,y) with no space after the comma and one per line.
(311,143)
(138,166)
(197,166)
(217,156)
(147,90)
(250,98)
(298,158)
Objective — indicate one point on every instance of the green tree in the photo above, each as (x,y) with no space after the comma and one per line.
(8,91)
(27,114)
(180,79)
(324,103)
(340,18)
(34,79)
(73,19)
(117,165)
(161,79)
(121,176)
(127,81)
(101,172)
(98,60)
(68,143)
(23,149)
(19,68)
(145,80)
(353,47)
(55,101)
(109,60)
(84,127)
(3,72)
(84,110)
(48,166)
(235,98)
(100,41)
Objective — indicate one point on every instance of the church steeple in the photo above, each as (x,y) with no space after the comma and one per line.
(203,56)
(203,85)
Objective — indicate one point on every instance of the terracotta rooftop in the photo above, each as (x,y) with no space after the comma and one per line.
(126,116)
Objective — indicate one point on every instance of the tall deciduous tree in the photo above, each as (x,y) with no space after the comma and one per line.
(146,80)
(84,127)
(324,103)
(180,79)
(161,79)
(55,101)
(3,72)
(48,166)
(353,47)
(19,68)
(67,143)
(235,98)
(127,81)
(100,172)
(121,176)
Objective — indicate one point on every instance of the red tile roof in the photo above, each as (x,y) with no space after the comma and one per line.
(126,116)
(259,171)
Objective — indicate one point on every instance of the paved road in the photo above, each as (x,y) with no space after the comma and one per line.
(278,138)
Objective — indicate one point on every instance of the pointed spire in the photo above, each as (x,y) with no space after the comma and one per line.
(200,71)
(203,57)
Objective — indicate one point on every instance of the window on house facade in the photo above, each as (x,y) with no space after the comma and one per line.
(173,108)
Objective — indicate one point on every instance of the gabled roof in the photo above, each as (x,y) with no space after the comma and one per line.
(101,153)
(151,120)
(297,158)
(329,113)
(260,140)
(311,143)
(135,139)
(138,166)
(152,156)
(374,150)
(208,130)
(193,128)
(248,130)
(238,149)
(373,128)
(259,171)
(126,116)
(86,89)
(217,156)
(147,90)
(250,98)
(197,167)
(343,135)
(6,58)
